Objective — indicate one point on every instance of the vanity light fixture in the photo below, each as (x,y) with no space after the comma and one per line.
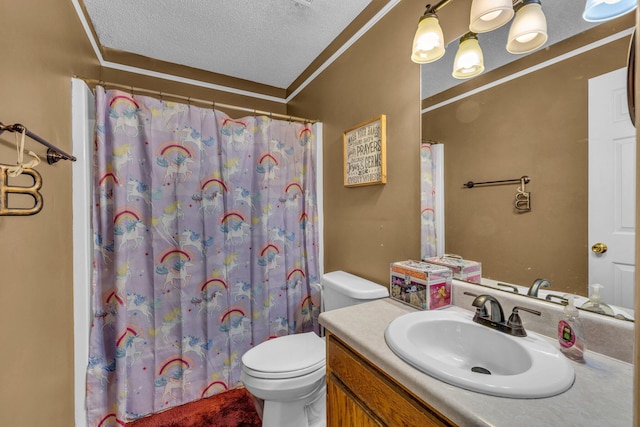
(428,43)
(604,10)
(528,31)
(469,61)
(487,15)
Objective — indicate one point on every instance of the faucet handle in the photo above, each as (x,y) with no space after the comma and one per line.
(528,310)
(562,300)
(515,289)
(480,311)
(515,323)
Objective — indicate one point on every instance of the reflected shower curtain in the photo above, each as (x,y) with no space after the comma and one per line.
(205,245)
(427,201)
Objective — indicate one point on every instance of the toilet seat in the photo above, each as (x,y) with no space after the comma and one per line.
(288,356)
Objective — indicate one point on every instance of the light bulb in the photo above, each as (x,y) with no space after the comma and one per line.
(528,30)
(487,15)
(604,10)
(491,15)
(428,41)
(469,60)
(525,38)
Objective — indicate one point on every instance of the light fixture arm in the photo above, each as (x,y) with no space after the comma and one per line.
(438,6)
(469,35)
(518,4)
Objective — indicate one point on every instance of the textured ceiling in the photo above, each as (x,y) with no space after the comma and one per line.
(265,41)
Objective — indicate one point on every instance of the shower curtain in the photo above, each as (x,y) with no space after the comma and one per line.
(428,239)
(205,244)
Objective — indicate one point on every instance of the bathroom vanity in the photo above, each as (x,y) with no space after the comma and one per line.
(368,385)
(361,393)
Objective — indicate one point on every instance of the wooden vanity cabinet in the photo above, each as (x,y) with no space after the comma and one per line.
(359,394)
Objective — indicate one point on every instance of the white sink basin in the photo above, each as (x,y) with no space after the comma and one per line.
(448,345)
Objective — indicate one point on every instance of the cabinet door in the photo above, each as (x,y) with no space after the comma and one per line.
(385,402)
(343,410)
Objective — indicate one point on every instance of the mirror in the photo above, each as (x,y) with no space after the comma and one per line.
(526,118)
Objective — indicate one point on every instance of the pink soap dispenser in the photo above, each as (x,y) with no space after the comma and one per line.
(570,333)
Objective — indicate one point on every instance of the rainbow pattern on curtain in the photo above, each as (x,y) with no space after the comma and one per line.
(206,244)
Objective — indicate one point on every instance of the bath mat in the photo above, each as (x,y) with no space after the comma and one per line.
(233,408)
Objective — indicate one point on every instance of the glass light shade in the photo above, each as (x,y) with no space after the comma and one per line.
(428,44)
(528,31)
(487,15)
(469,61)
(603,10)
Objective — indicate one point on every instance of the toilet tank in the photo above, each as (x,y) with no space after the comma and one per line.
(342,289)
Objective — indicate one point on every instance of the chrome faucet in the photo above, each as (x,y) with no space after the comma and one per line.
(497,315)
(537,284)
(495,319)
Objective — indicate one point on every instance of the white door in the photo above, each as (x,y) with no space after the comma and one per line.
(612,165)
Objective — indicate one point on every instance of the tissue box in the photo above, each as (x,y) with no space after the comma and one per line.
(420,284)
(463,269)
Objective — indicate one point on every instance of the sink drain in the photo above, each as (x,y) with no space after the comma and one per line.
(480,370)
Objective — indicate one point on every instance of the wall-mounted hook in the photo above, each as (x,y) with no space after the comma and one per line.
(523,198)
(60,155)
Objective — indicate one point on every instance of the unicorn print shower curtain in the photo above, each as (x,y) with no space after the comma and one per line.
(428,238)
(205,245)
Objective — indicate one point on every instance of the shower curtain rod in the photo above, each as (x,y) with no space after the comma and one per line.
(200,101)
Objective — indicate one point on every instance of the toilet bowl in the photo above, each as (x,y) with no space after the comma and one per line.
(288,373)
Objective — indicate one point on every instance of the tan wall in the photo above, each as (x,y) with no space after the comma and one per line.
(366,228)
(536,125)
(42,45)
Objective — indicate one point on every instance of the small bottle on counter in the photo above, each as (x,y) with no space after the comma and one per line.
(570,333)
(595,302)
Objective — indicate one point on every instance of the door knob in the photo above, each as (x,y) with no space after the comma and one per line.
(599,248)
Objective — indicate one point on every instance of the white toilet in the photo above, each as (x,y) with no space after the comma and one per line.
(288,372)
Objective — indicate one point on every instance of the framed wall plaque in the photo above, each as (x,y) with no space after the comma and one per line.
(365,159)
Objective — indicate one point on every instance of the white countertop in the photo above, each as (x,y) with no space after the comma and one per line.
(602,394)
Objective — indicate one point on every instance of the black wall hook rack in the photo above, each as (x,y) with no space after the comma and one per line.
(471,184)
(54,154)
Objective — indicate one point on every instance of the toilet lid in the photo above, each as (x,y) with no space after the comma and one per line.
(286,357)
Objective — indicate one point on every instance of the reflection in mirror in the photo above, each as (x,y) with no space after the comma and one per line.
(533,117)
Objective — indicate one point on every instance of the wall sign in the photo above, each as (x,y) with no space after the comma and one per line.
(365,160)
